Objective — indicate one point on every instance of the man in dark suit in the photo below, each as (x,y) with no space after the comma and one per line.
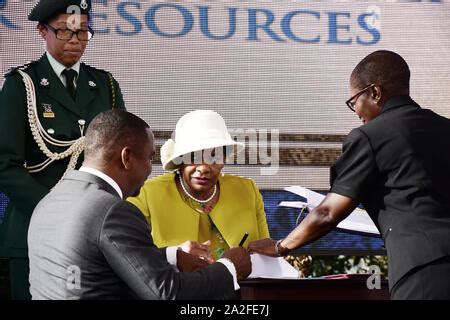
(86,242)
(397,166)
(45,107)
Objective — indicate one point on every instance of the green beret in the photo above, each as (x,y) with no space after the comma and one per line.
(46,9)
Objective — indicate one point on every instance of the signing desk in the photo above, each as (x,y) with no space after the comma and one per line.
(311,289)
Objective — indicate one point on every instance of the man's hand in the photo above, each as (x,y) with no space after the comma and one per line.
(264,246)
(200,250)
(189,263)
(241,260)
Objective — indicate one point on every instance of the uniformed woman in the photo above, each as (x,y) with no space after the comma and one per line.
(45,107)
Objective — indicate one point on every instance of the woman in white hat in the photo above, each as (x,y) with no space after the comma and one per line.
(195,204)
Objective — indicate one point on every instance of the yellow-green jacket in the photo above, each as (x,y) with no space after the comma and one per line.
(240,209)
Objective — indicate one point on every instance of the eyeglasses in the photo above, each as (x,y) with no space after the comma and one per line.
(350,103)
(67,34)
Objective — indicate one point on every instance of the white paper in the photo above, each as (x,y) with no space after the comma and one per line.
(271,267)
(293,204)
(359,220)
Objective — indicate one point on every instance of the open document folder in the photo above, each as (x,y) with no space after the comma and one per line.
(273,268)
(358,220)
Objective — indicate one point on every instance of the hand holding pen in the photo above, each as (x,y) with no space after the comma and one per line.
(243,239)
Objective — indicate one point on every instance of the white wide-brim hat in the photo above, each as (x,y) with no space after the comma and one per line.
(195,131)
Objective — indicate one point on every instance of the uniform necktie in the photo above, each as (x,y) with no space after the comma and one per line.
(70,75)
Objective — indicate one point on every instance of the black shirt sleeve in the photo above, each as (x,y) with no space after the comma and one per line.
(352,175)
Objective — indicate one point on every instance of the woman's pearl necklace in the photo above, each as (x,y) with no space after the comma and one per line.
(192,197)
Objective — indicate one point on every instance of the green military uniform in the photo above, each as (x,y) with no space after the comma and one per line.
(44,123)
(60,117)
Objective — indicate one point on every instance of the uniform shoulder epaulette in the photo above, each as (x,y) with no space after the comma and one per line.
(94,68)
(23,67)
(111,81)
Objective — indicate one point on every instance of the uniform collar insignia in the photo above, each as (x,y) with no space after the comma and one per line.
(44,82)
(92,84)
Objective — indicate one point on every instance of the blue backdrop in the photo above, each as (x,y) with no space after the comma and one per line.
(282,220)
(3,203)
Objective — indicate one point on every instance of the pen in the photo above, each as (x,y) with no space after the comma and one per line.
(243,239)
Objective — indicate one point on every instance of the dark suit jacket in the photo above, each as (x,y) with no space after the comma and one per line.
(83,227)
(398,166)
(17,145)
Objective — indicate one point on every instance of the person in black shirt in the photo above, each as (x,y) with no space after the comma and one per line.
(397,164)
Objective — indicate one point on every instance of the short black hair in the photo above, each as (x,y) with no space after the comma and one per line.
(382,67)
(111,130)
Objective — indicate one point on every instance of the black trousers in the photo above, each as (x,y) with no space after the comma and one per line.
(427,282)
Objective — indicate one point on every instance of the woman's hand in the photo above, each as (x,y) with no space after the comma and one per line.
(264,246)
(200,250)
(189,263)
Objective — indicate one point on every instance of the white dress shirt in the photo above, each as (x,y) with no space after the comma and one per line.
(103,176)
(58,68)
